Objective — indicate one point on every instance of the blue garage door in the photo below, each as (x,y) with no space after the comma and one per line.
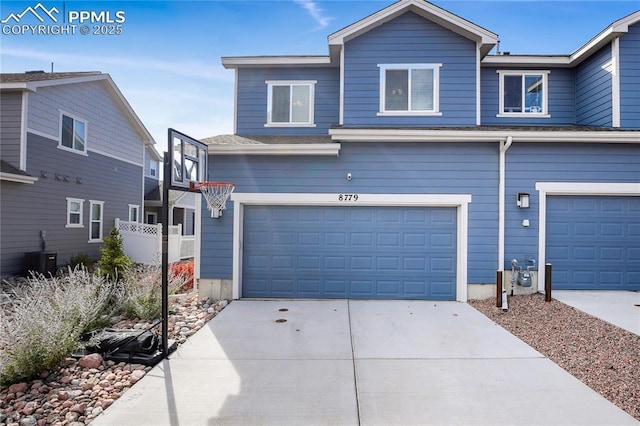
(349,252)
(594,242)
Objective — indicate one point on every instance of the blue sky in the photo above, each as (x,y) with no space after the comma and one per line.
(167,59)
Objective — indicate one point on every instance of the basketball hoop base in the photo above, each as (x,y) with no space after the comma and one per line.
(216,194)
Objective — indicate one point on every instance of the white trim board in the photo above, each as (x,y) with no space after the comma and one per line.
(631,189)
(460,201)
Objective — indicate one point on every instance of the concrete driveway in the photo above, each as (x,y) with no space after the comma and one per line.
(357,362)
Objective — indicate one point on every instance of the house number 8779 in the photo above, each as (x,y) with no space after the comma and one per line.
(347,197)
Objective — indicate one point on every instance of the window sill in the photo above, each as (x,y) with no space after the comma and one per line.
(75,151)
(73,226)
(409,114)
(289,125)
(95,241)
(523,115)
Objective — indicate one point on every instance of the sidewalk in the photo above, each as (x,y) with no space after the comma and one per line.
(357,362)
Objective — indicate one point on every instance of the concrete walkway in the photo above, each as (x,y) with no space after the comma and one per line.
(357,362)
(620,308)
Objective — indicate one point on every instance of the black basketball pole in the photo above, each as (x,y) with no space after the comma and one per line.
(165,256)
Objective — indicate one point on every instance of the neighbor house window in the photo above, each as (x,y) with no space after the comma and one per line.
(290,103)
(73,133)
(153,168)
(409,89)
(74,213)
(134,213)
(95,222)
(152,218)
(523,93)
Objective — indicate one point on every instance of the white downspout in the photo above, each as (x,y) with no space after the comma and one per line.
(504,146)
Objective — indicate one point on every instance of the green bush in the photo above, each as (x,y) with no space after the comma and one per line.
(114,263)
(48,316)
(143,291)
(81,259)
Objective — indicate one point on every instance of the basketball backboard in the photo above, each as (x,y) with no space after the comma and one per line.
(188,160)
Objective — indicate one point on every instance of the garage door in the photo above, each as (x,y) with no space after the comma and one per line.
(594,242)
(349,252)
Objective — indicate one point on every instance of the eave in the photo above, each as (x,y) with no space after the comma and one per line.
(230,62)
(326,149)
(444,135)
(11,177)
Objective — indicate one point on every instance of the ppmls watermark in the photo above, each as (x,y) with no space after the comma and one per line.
(40,20)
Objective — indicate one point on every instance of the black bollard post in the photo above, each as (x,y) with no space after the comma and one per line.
(547,282)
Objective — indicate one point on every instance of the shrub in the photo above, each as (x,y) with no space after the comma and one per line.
(143,291)
(48,316)
(114,263)
(183,269)
(81,259)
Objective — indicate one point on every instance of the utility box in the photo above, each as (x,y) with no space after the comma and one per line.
(43,262)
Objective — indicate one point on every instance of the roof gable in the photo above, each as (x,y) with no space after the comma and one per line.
(31,81)
(486,39)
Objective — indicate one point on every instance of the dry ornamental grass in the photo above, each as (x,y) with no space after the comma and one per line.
(604,357)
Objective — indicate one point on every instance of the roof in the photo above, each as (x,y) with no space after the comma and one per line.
(14,174)
(617,28)
(458,25)
(32,81)
(271,145)
(265,139)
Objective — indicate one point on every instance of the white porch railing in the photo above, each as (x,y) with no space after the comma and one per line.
(143,242)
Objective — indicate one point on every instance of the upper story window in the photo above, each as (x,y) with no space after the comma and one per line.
(290,103)
(73,133)
(153,168)
(74,213)
(409,89)
(523,93)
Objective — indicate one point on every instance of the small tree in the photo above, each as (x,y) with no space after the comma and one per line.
(114,263)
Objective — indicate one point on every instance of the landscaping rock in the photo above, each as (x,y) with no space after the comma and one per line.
(91,361)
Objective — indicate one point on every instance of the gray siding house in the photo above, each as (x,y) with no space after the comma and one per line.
(411,163)
(73,153)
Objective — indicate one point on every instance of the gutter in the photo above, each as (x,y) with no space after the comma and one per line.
(504,146)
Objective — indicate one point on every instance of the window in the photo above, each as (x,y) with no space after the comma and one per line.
(152,218)
(523,93)
(153,168)
(409,89)
(290,103)
(73,134)
(95,222)
(134,213)
(74,213)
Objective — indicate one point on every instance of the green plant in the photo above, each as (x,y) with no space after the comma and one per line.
(143,291)
(114,263)
(47,317)
(81,259)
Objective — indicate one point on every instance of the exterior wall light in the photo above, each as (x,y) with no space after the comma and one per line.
(523,200)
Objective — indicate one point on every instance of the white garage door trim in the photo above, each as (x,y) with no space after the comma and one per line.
(460,201)
(631,189)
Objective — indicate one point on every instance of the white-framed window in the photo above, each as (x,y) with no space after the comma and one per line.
(73,133)
(290,103)
(153,168)
(74,213)
(523,93)
(409,89)
(134,213)
(96,210)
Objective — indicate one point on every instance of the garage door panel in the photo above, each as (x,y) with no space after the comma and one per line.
(365,252)
(593,242)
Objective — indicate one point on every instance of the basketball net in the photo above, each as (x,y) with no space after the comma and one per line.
(216,194)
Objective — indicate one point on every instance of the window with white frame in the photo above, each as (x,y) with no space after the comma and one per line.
(134,213)
(409,89)
(73,133)
(95,220)
(290,103)
(523,93)
(74,212)
(153,168)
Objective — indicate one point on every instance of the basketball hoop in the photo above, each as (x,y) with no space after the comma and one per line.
(216,194)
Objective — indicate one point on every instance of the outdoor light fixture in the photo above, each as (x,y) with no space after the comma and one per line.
(523,200)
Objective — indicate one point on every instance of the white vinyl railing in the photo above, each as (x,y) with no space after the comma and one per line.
(143,242)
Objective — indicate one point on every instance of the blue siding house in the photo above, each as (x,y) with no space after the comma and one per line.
(411,163)
(73,160)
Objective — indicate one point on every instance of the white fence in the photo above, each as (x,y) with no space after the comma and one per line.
(143,242)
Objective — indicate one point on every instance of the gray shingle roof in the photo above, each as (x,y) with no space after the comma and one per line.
(265,139)
(8,168)
(26,77)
